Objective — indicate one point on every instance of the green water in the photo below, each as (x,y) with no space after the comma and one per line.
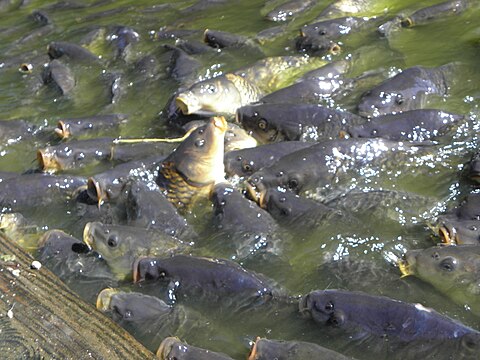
(373,247)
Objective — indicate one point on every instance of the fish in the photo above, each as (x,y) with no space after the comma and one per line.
(60,76)
(380,316)
(408,90)
(74,154)
(58,49)
(456,231)
(120,245)
(452,270)
(190,172)
(309,170)
(307,122)
(77,127)
(220,95)
(148,208)
(434,12)
(245,162)
(37,191)
(192,278)
(151,319)
(413,125)
(242,223)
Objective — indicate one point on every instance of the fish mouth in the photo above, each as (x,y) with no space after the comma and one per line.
(87,235)
(407,22)
(448,236)
(95,191)
(136,272)
(256,194)
(26,68)
(104,299)
(253,350)
(166,347)
(335,49)
(405,267)
(62,130)
(48,161)
(187,103)
(220,123)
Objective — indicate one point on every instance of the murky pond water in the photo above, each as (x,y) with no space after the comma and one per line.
(355,256)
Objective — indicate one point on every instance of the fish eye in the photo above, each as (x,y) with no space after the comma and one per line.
(247,167)
(448,264)
(435,255)
(262,124)
(374,132)
(239,158)
(112,241)
(399,99)
(322,32)
(162,275)
(329,306)
(199,142)
(201,131)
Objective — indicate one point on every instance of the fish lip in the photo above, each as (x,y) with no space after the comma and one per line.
(87,238)
(405,266)
(47,161)
(335,49)
(302,306)
(62,130)
(104,298)
(220,123)
(136,275)
(447,236)
(95,191)
(253,351)
(187,103)
(26,68)
(166,346)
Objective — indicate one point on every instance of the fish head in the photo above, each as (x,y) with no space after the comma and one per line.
(255,122)
(212,96)
(454,231)
(199,158)
(149,269)
(320,306)
(131,307)
(239,164)
(114,247)
(376,102)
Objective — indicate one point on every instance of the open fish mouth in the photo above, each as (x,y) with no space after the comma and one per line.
(87,237)
(256,194)
(104,299)
(405,267)
(448,236)
(166,347)
(62,130)
(48,161)
(187,103)
(95,191)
